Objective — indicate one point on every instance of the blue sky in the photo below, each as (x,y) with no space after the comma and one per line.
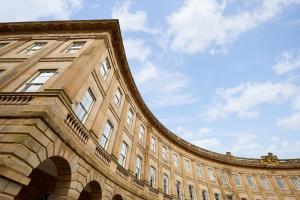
(224,75)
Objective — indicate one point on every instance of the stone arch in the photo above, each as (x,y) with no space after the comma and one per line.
(117,197)
(50,179)
(92,191)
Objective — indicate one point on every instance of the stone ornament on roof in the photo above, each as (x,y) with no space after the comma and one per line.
(270,159)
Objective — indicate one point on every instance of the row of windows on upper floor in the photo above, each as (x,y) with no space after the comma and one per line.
(36,46)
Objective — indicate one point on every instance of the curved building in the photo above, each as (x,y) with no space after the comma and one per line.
(74,126)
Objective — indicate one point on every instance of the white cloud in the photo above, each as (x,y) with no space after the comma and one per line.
(136,49)
(291,122)
(200,25)
(209,143)
(29,10)
(289,61)
(130,20)
(244,99)
(204,130)
(162,88)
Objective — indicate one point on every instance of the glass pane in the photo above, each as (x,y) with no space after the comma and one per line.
(32,88)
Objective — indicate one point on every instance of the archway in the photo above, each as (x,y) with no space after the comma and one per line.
(50,180)
(117,197)
(91,191)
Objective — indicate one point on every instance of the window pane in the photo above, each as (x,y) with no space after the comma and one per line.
(34,83)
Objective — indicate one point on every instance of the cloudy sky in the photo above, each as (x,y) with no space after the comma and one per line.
(222,74)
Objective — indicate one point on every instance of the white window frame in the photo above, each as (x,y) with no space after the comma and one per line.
(82,107)
(280,183)
(176,160)
(72,48)
(123,154)
(105,138)
(118,97)
(204,194)
(33,48)
(31,81)
(105,68)
(236,179)
(164,153)
(187,165)
(153,144)
(265,182)
(152,177)
(130,116)
(191,192)
(138,167)
(250,181)
(166,183)
(224,178)
(198,170)
(142,132)
(178,189)
(211,174)
(296,181)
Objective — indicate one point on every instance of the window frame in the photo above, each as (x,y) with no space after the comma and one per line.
(69,49)
(105,68)
(107,138)
(123,155)
(153,144)
(165,183)
(142,133)
(130,117)
(164,153)
(152,176)
(86,110)
(29,50)
(138,167)
(118,97)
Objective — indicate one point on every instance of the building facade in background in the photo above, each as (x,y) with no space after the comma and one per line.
(74,126)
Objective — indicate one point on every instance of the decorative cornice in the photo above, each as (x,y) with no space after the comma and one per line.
(58,59)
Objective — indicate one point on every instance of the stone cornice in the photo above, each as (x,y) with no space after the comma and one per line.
(112,27)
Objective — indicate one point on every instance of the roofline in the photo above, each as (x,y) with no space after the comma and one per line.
(113,27)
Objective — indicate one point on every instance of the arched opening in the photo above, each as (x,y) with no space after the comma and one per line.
(50,180)
(117,197)
(91,191)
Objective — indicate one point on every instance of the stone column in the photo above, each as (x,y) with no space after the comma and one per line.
(160,175)
(78,72)
(22,67)
(184,185)
(208,182)
(147,167)
(197,187)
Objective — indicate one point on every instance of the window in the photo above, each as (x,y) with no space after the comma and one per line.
(211,175)
(178,190)
(123,154)
(74,47)
(153,145)
(118,97)
(130,117)
(84,106)
(191,192)
(105,68)
(175,160)
(250,181)
(187,165)
(224,177)
(2,44)
(236,179)
(106,135)
(198,170)
(217,196)
(37,81)
(138,167)
(34,48)
(142,133)
(164,153)
(229,197)
(166,184)
(152,177)
(280,182)
(265,182)
(204,195)
(1,70)
(295,180)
